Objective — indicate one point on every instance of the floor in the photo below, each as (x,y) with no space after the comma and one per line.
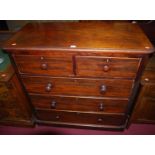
(135,129)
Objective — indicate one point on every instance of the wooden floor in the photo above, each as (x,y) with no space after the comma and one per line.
(135,129)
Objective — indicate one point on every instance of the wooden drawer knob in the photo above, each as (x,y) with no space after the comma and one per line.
(44,66)
(57,117)
(103,88)
(101,107)
(53,104)
(42,58)
(48,87)
(100,120)
(106,68)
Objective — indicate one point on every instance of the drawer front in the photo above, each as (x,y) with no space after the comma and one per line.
(89,66)
(148,76)
(149,90)
(8,100)
(11,114)
(146,109)
(80,118)
(79,104)
(45,65)
(78,87)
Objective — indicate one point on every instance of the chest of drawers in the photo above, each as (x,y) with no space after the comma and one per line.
(80,74)
(14,107)
(144,111)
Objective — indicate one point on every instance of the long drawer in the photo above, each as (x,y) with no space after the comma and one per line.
(56,65)
(78,87)
(79,104)
(94,66)
(80,118)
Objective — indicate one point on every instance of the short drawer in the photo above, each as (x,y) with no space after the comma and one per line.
(44,65)
(78,87)
(79,104)
(80,118)
(91,66)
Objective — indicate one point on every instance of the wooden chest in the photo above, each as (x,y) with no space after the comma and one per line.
(80,74)
(144,111)
(14,107)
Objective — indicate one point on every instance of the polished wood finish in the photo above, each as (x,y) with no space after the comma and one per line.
(14,106)
(107,67)
(45,65)
(144,111)
(80,118)
(110,35)
(73,103)
(81,74)
(78,87)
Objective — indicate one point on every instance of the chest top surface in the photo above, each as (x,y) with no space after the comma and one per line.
(101,36)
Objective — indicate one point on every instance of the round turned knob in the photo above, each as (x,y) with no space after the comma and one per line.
(103,88)
(48,87)
(57,117)
(100,120)
(44,66)
(42,58)
(108,60)
(101,107)
(53,104)
(106,68)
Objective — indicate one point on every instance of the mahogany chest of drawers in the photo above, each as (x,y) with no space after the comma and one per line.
(80,74)
(14,107)
(144,111)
